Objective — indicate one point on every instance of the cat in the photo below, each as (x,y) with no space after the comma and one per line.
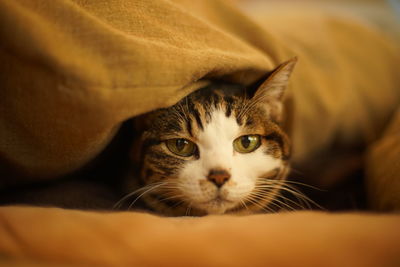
(222,149)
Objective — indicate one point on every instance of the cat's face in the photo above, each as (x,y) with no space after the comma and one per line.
(216,151)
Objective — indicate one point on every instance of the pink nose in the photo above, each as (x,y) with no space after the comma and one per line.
(218,177)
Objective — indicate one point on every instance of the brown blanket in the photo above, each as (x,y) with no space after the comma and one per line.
(72,71)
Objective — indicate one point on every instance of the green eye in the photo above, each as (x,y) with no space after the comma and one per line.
(247,143)
(181,147)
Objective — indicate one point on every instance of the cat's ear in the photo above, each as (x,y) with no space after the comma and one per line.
(273,88)
(271,91)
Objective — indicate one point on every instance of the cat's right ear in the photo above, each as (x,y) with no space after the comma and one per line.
(271,91)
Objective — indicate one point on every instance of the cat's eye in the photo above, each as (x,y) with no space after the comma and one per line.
(247,143)
(181,147)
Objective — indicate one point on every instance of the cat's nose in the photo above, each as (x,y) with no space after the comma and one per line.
(218,177)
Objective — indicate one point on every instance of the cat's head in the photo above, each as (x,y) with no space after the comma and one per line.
(220,149)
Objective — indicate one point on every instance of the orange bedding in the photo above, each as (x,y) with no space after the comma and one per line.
(55,236)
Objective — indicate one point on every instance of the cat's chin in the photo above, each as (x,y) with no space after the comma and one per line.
(216,206)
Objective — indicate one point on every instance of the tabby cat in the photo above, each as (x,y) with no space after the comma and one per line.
(219,150)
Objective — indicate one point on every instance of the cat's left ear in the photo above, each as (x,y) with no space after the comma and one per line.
(270,93)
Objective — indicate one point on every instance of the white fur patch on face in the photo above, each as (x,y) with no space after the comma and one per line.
(215,144)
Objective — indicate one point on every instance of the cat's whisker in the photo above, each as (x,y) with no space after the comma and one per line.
(268,188)
(261,193)
(251,198)
(298,195)
(279,205)
(169,193)
(171,197)
(177,204)
(292,201)
(145,192)
(244,204)
(278,201)
(171,187)
(294,191)
(284,203)
(297,191)
(270,200)
(278,208)
(284,183)
(268,184)
(306,185)
(255,203)
(127,196)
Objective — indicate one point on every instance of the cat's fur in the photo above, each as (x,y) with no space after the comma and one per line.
(216,178)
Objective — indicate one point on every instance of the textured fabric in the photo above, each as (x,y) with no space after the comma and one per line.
(134,239)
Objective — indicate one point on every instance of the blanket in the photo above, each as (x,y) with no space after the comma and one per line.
(73,71)
(135,239)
